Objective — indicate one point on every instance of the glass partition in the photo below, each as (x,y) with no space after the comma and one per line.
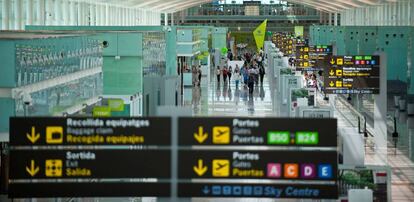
(154,51)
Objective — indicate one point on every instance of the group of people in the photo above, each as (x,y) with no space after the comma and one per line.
(310,80)
(251,73)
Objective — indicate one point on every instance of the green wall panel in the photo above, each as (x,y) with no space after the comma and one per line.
(130,44)
(393,41)
(125,75)
(351,40)
(367,40)
(7,107)
(7,67)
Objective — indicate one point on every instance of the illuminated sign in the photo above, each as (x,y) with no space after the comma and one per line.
(219,154)
(307,57)
(89,131)
(268,131)
(81,152)
(352,74)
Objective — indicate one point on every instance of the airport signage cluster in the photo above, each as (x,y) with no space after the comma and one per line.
(85,157)
(352,75)
(259,150)
(307,57)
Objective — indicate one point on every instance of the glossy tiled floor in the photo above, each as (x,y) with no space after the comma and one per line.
(214,99)
(224,99)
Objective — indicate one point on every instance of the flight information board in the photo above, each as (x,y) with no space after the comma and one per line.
(307,57)
(352,75)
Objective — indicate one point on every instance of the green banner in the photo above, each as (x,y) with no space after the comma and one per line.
(116,105)
(101,111)
(259,35)
(299,31)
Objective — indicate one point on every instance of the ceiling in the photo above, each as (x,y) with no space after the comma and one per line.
(171,6)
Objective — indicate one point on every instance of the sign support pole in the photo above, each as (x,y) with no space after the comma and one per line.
(380,114)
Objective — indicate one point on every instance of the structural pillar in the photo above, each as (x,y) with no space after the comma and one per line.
(336,19)
(165,19)
(172,19)
(330,19)
(29,12)
(18,15)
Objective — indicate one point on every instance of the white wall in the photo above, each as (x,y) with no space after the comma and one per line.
(15,14)
(398,13)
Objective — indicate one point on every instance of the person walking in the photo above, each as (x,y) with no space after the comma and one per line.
(237,77)
(199,75)
(225,75)
(218,73)
(194,75)
(245,74)
(262,72)
(251,81)
(229,73)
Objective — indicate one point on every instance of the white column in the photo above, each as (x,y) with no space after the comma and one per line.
(92,14)
(41,12)
(17,15)
(320,17)
(64,6)
(29,12)
(72,13)
(165,19)
(335,19)
(5,14)
(107,15)
(330,19)
(58,13)
(48,12)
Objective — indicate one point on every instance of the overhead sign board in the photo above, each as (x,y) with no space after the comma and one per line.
(269,153)
(307,56)
(81,157)
(280,157)
(89,131)
(261,131)
(352,75)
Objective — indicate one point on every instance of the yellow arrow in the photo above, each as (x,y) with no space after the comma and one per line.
(331,72)
(33,137)
(332,61)
(200,169)
(332,84)
(200,136)
(33,170)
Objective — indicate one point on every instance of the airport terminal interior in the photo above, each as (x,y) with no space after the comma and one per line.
(206,100)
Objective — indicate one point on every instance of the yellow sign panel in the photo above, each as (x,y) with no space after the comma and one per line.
(53,168)
(338,72)
(338,84)
(54,135)
(221,168)
(339,61)
(221,135)
(306,64)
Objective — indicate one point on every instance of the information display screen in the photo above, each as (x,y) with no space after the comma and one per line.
(352,75)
